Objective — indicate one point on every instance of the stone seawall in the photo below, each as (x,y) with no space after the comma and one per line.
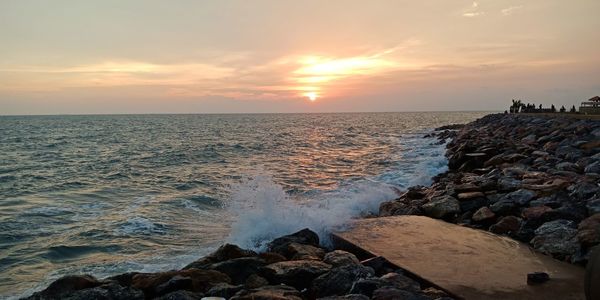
(533,178)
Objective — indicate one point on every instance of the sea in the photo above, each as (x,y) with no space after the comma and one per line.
(107,194)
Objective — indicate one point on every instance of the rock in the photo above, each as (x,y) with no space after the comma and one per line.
(181,295)
(537,278)
(539,153)
(508,184)
(224,290)
(338,258)
(202,280)
(269,292)
(415,192)
(504,207)
(434,293)
(66,285)
(470,195)
(339,280)
(567,166)
(584,190)
(379,264)
(402,282)
(304,236)
(390,293)
(255,281)
(225,252)
(396,208)
(296,273)
(535,212)
(238,269)
(593,206)
(593,168)
(508,224)
(521,196)
(588,231)
(466,188)
(297,251)
(557,238)
(108,291)
(483,214)
(271,257)
(176,282)
(442,207)
(346,297)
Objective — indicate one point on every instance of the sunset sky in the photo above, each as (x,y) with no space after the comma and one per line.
(71,57)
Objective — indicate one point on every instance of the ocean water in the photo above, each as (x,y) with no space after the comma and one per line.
(110,194)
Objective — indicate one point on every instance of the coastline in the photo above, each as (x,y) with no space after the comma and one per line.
(496,171)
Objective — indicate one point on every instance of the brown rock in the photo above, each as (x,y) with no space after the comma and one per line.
(483,214)
(271,257)
(297,251)
(466,187)
(470,195)
(255,281)
(535,212)
(588,231)
(507,224)
(225,252)
(269,292)
(296,273)
(338,258)
(66,285)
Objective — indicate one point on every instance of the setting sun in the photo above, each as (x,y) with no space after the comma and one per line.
(312,96)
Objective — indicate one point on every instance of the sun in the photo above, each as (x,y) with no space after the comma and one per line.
(312,96)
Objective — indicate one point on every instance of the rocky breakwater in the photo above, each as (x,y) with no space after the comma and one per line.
(535,179)
(294,267)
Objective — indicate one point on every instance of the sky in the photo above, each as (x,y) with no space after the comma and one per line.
(151,56)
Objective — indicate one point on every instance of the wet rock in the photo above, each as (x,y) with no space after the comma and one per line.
(304,236)
(338,258)
(442,207)
(584,190)
(269,292)
(296,273)
(467,188)
(508,224)
(239,269)
(537,278)
(483,214)
(588,231)
(225,252)
(504,207)
(338,281)
(66,285)
(557,238)
(402,282)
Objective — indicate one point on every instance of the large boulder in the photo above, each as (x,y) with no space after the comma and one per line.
(108,291)
(225,252)
(557,238)
(65,286)
(520,197)
(304,236)
(484,214)
(395,208)
(239,269)
(296,273)
(506,225)
(442,207)
(338,258)
(297,251)
(588,231)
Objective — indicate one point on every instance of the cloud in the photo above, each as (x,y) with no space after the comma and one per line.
(511,10)
(473,11)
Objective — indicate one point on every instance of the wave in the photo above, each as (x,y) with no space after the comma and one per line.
(263,210)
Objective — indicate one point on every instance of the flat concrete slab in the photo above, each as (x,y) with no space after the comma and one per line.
(472,264)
